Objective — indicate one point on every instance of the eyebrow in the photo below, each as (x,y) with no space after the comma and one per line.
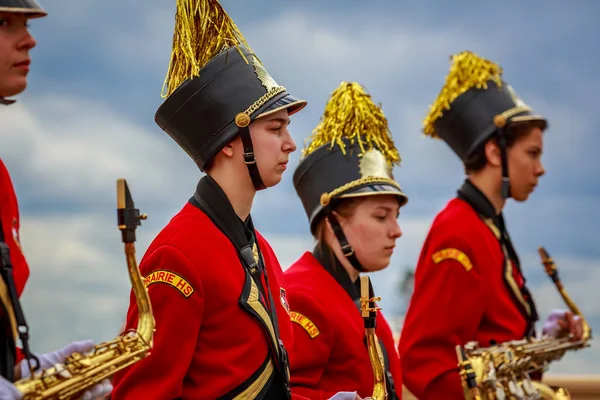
(283,121)
(386,208)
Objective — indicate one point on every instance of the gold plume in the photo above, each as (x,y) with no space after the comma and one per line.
(350,113)
(467,71)
(202,30)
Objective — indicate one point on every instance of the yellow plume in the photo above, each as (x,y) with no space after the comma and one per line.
(202,30)
(467,71)
(350,113)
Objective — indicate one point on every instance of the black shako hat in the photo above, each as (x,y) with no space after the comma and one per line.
(216,86)
(475,104)
(351,154)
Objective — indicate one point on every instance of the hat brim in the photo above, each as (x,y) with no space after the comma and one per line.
(527,118)
(287,102)
(377,189)
(30,12)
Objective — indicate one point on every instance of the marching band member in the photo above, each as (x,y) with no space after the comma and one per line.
(468,284)
(217,289)
(352,202)
(15,44)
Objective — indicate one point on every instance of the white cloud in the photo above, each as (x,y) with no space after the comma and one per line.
(74,149)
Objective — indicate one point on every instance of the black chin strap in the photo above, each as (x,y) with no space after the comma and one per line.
(502,133)
(346,247)
(6,102)
(250,159)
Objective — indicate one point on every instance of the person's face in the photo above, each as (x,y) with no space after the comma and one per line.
(15,43)
(525,164)
(272,144)
(372,230)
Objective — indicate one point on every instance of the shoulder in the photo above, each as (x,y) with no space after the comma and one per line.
(305,273)
(458,222)
(192,233)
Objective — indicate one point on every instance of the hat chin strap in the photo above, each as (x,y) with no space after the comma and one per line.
(250,159)
(505,190)
(6,102)
(346,247)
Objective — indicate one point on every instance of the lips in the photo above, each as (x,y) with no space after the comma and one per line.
(23,64)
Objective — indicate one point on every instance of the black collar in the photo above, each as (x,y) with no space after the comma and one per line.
(212,194)
(475,197)
(329,261)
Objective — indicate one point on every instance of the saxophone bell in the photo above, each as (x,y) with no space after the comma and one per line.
(79,372)
(505,370)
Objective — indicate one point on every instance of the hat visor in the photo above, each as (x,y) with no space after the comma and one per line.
(377,189)
(30,12)
(289,102)
(528,117)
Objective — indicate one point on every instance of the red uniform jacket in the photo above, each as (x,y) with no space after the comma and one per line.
(9,223)
(329,352)
(464,291)
(9,217)
(211,337)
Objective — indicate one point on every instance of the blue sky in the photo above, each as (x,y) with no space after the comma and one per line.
(88,118)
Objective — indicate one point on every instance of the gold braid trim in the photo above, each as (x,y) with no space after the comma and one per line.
(327,197)
(202,30)
(351,113)
(263,99)
(467,71)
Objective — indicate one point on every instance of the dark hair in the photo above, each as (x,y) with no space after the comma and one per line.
(208,165)
(476,161)
(343,207)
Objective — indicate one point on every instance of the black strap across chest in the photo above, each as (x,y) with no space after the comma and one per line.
(8,357)
(477,200)
(210,198)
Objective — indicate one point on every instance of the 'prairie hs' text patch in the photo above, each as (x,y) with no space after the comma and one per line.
(306,323)
(171,278)
(452,254)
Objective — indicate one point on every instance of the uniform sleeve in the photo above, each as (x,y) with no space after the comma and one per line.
(168,276)
(447,305)
(313,341)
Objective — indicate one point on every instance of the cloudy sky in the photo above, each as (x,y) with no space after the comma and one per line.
(87,119)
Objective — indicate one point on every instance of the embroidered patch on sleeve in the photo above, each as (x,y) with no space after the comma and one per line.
(452,254)
(170,278)
(305,323)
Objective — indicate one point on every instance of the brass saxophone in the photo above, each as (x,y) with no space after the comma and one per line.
(82,371)
(369,314)
(504,371)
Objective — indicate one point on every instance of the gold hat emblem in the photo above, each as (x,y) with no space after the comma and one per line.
(518,101)
(265,79)
(373,164)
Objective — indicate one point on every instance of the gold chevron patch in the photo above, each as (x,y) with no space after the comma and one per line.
(452,254)
(305,323)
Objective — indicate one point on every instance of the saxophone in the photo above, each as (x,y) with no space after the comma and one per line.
(504,371)
(369,314)
(80,372)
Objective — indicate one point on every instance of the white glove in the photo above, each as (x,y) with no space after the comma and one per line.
(344,396)
(8,391)
(562,323)
(56,358)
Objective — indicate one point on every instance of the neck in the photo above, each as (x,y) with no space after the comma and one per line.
(238,188)
(490,186)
